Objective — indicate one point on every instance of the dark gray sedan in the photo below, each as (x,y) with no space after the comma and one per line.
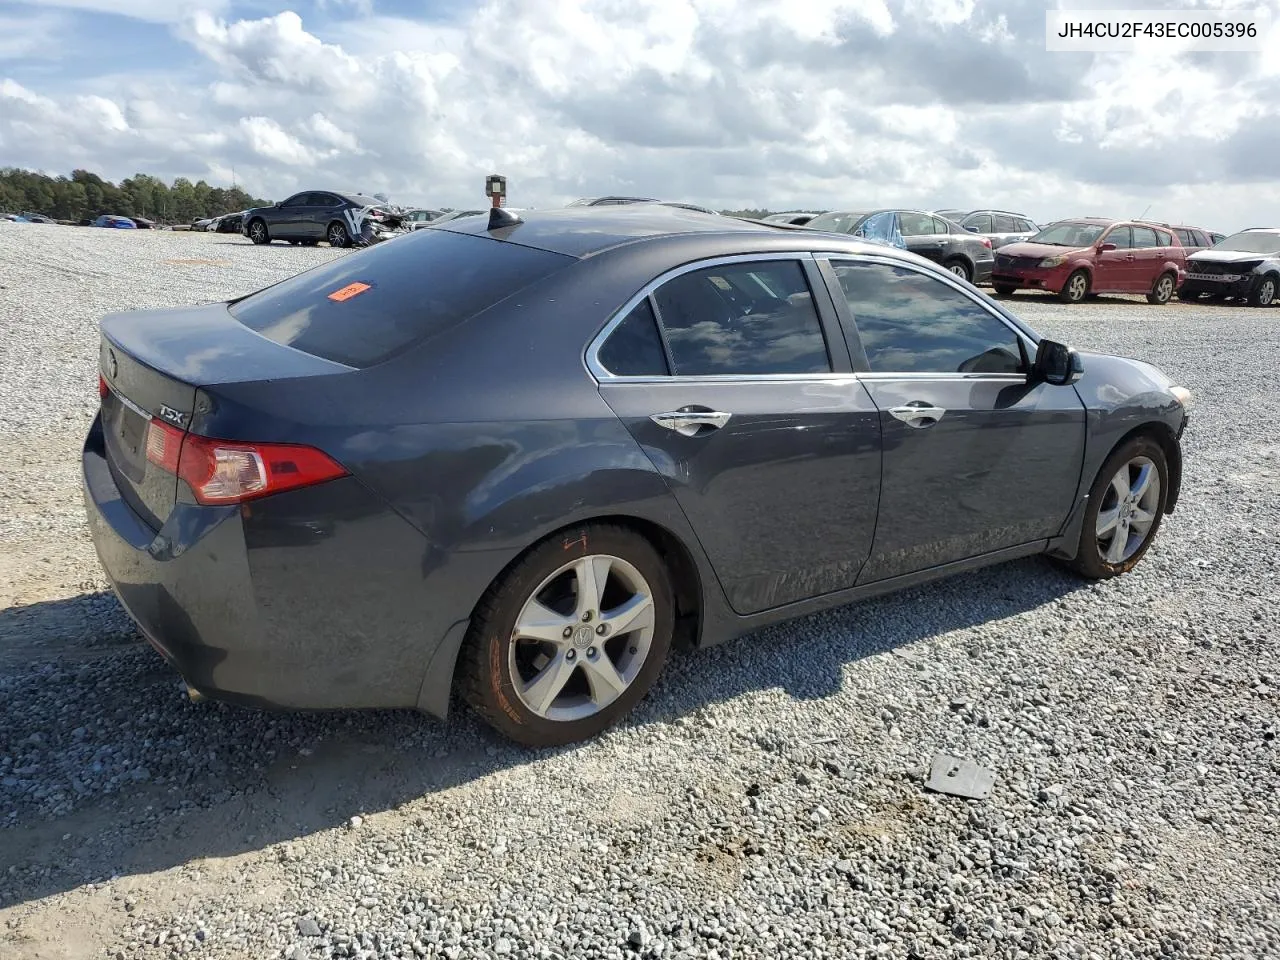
(311,216)
(516,459)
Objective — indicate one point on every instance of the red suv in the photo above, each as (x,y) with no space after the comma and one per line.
(1074,258)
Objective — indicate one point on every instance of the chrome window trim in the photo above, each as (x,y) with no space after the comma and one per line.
(603,375)
(949,280)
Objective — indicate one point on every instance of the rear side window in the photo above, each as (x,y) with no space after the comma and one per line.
(981,223)
(634,349)
(1005,224)
(369,306)
(1144,238)
(744,319)
(1164,239)
(1186,238)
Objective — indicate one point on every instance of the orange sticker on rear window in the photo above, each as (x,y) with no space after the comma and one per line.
(349,291)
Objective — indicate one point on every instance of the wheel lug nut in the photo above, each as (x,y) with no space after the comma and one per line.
(570,654)
(568,632)
(602,629)
(586,617)
(591,651)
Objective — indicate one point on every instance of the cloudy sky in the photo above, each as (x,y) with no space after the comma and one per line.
(731,103)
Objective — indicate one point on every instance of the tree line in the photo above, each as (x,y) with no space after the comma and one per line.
(85,195)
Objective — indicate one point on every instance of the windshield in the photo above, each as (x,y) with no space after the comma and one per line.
(836,222)
(1069,234)
(1252,241)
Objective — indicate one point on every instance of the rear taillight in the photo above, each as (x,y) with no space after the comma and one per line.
(985,242)
(103,389)
(223,471)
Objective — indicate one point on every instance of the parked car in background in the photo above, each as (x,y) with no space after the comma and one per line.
(518,463)
(14,218)
(795,219)
(416,217)
(455,215)
(38,218)
(622,201)
(142,223)
(951,214)
(1245,265)
(1217,238)
(229,223)
(935,238)
(1191,238)
(1074,258)
(119,223)
(999,226)
(309,217)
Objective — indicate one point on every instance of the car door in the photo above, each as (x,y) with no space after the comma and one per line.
(733,377)
(1113,269)
(323,209)
(286,220)
(976,458)
(924,234)
(1149,258)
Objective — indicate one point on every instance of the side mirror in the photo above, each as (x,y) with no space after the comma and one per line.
(1056,364)
(1106,247)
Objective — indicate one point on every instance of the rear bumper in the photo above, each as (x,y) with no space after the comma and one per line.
(982,271)
(309,599)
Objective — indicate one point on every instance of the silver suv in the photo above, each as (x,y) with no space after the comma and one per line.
(999,226)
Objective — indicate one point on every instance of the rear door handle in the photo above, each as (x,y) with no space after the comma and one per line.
(689,423)
(918,414)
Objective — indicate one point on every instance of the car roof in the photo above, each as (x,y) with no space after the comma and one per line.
(583,232)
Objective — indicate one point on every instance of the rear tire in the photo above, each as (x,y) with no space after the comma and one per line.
(1076,288)
(1264,294)
(544,668)
(1003,290)
(258,232)
(337,235)
(960,269)
(1190,296)
(1135,465)
(1162,290)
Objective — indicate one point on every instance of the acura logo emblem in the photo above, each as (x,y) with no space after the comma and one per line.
(112,367)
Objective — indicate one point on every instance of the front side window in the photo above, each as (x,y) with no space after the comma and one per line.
(1122,237)
(910,322)
(1198,239)
(297,200)
(914,224)
(742,319)
(980,223)
(1185,238)
(1026,226)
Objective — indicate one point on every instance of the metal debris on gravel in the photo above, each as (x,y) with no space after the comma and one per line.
(765,800)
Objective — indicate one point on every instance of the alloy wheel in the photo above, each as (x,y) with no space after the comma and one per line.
(337,236)
(1266,292)
(258,233)
(959,270)
(1077,287)
(1128,510)
(582,638)
(1164,288)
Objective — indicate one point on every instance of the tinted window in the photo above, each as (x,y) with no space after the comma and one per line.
(1026,226)
(1121,237)
(981,223)
(1185,238)
(634,349)
(915,224)
(1198,239)
(913,323)
(297,200)
(742,318)
(1144,238)
(1005,224)
(364,308)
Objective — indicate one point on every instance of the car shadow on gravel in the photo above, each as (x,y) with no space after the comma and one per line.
(107,769)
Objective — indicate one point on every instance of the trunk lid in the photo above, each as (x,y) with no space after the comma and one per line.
(154,363)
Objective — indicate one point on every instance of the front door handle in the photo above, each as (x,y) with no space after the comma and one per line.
(918,414)
(688,423)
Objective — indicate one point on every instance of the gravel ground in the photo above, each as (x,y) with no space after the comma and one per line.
(766,800)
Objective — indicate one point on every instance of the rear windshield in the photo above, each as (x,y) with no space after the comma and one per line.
(368,306)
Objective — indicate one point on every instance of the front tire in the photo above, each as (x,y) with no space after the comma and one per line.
(1076,288)
(1126,505)
(1264,294)
(337,235)
(570,638)
(960,269)
(1003,290)
(259,233)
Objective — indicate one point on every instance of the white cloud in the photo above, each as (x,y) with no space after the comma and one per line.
(726,102)
(155,11)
